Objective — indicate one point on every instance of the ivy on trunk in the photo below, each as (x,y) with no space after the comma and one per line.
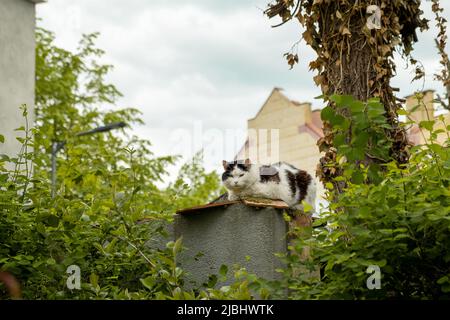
(355,42)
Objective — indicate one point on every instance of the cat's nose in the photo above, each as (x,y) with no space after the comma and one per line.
(235,183)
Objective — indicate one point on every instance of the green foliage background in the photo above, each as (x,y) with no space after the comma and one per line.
(110,213)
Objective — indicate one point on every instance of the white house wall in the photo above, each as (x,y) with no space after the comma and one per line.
(17,66)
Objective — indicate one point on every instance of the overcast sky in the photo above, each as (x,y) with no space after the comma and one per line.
(197,68)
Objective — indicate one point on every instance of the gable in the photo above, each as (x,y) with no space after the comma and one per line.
(279,112)
(275,102)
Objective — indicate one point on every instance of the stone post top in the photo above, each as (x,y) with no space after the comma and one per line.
(252,202)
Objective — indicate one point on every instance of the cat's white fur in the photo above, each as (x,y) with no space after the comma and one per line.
(243,184)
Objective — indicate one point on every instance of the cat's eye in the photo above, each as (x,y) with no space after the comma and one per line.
(241,175)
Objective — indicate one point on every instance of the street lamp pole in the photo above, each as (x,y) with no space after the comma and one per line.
(58,145)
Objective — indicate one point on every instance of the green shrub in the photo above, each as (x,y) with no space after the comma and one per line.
(396,218)
(111,208)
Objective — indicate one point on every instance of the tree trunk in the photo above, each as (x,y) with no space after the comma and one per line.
(354,59)
(353,69)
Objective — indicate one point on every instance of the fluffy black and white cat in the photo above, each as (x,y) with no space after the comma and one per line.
(279,181)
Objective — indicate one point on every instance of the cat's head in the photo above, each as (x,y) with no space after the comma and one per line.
(238,174)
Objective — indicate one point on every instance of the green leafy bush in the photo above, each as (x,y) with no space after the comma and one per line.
(396,218)
(110,211)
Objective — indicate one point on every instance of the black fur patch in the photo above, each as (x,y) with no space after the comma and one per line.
(268,174)
(243,167)
(292,182)
(303,180)
(226,175)
(230,167)
(240,164)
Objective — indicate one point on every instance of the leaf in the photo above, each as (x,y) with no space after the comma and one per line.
(322,96)
(177,245)
(342,100)
(339,139)
(212,281)
(357,177)
(442,280)
(381,263)
(21,128)
(93,279)
(292,59)
(428,125)
(361,139)
(327,113)
(319,79)
(2,138)
(308,37)
(51,220)
(21,140)
(137,189)
(223,270)
(345,31)
(306,207)
(356,107)
(375,109)
(329,186)
(340,121)
(355,154)
(148,282)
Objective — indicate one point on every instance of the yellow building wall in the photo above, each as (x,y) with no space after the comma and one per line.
(424,110)
(443,137)
(281,114)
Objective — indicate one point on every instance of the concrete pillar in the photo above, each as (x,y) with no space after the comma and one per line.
(229,233)
(17,65)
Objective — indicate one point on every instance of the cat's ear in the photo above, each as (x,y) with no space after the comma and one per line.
(247,162)
(225,164)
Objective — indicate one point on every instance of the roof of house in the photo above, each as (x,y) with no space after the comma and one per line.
(278,90)
(423,92)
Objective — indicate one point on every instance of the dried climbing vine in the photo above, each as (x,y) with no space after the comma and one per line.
(441,42)
(353,59)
